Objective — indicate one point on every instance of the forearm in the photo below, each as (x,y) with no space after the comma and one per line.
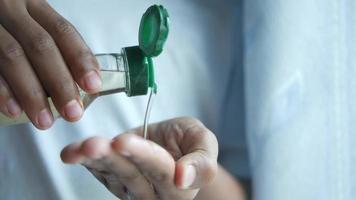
(224,185)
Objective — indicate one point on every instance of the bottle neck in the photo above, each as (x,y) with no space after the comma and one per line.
(111,62)
(113,73)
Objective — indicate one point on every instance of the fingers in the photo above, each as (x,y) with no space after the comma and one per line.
(55,57)
(93,148)
(152,161)
(195,170)
(192,145)
(91,153)
(137,162)
(198,166)
(8,104)
(119,173)
(112,183)
(194,148)
(18,74)
(76,53)
(49,66)
(129,175)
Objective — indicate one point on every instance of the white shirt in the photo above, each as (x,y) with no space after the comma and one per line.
(192,80)
(300,76)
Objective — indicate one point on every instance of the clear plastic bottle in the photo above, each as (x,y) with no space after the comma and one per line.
(130,72)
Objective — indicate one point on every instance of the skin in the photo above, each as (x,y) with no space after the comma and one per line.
(224,184)
(157,168)
(42,55)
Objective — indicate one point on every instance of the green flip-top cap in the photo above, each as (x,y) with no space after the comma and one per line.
(153,34)
(138,71)
(154,28)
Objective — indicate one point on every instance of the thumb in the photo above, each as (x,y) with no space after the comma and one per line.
(195,170)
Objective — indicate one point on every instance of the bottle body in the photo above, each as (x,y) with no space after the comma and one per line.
(114,72)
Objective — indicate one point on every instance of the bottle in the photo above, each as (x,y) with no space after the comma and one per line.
(130,71)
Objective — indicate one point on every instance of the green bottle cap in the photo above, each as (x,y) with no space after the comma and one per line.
(153,34)
(154,28)
(138,71)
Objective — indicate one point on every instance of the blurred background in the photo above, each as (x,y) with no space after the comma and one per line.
(273,79)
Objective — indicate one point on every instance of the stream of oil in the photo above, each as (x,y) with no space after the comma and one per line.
(148,111)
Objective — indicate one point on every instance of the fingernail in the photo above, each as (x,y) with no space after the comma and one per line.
(73,110)
(13,108)
(44,118)
(92,81)
(189,175)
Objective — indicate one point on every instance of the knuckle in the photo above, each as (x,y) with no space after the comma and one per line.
(34,95)
(32,98)
(62,26)
(83,55)
(81,59)
(11,52)
(62,86)
(91,143)
(42,43)
(196,132)
(200,133)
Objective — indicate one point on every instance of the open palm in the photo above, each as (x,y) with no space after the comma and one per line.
(179,157)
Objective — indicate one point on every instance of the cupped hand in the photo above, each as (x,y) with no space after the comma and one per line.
(42,55)
(179,158)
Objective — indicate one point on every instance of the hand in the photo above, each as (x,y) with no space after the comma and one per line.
(179,158)
(42,54)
